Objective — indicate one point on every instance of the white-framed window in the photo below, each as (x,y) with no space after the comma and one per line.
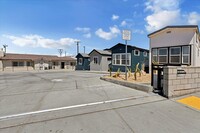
(137,52)
(80,61)
(175,55)
(155,55)
(120,59)
(162,55)
(95,58)
(145,53)
(186,54)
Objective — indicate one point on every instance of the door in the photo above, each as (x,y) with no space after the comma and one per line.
(62,65)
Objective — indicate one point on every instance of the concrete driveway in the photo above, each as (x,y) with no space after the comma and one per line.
(71,102)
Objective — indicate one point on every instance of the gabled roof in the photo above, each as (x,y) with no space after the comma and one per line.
(129,46)
(33,57)
(83,55)
(101,52)
(177,26)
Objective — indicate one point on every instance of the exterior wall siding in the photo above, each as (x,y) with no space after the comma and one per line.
(102,62)
(93,66)
(105,63)
(176,37)
(85,64)
(134,59)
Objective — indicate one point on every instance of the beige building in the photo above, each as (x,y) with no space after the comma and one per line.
(27,62)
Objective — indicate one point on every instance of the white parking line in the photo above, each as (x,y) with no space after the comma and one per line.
(68,107)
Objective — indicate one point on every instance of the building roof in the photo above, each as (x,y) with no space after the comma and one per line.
(101,52)
(129,46)
(175,26)
(11,56)
(83,55)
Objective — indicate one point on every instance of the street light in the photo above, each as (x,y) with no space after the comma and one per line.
(126,35)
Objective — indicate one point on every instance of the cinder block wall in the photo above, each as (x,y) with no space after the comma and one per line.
(180,84)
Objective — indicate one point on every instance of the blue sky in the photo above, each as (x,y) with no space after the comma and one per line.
(43,26)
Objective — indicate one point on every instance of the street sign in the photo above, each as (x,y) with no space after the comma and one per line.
(126,35)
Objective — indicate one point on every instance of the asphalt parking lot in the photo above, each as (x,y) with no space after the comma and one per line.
(75,101)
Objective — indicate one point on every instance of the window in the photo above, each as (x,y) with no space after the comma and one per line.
(175,55)
(162,55)
(80,61)
(15,63)
(113,59)
(120,59)
(95,60)
(109,59)
(186,54)
(136,52)
(145,53)
(28,63)
(155,55)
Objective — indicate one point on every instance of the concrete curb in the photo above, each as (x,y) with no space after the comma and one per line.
(137,86)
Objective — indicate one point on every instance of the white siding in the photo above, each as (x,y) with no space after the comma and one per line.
(176,37)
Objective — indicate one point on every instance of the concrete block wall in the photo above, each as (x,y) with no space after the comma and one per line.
(180,84)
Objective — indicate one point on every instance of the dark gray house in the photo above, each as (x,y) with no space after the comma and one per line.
(135,55)
(83,61)
(99,60)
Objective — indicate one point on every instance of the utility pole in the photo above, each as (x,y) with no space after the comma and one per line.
(60,51)
(5,47)
(84,49)
(65,53)
(77,43)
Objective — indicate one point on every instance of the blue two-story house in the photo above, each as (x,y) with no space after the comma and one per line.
(83,61)
(135,55)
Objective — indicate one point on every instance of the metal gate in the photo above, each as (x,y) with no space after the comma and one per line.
(157,78)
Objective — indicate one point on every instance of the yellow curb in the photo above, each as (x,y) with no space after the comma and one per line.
(191,101)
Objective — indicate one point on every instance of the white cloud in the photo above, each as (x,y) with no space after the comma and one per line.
(114,32)
(167,12)
(39,41)
(115,17)
(138,31)
(164,12)
(84,29)
(193,18)
(123,23)
(88,35)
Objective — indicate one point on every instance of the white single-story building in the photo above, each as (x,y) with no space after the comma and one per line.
(99,60)
(175,45)
(26,62)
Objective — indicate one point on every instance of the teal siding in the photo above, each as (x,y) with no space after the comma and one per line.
(85,65)
(134,59)
(139,59)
